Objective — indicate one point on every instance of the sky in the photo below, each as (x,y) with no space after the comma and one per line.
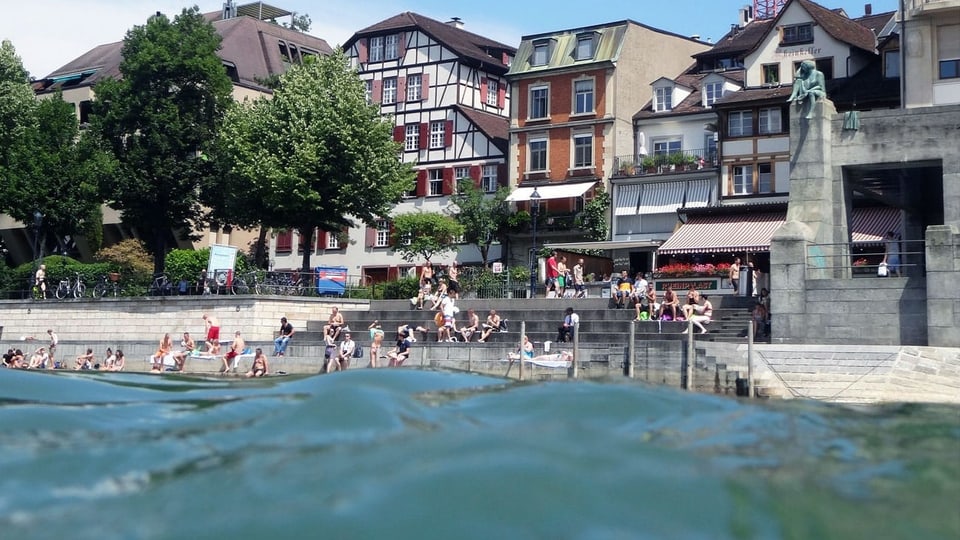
(48,34)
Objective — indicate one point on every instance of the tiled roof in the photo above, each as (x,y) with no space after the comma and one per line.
(493,126)
(840,27)
(105,59)
(464,43)
(739,41)
(876,22)
(755,94)
(692,104)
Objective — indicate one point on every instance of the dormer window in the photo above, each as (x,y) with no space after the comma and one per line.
(796,34)
(586,46)
(712,92)
(541,53)
(663,99)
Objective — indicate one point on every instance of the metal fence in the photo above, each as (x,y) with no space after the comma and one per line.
(857,260)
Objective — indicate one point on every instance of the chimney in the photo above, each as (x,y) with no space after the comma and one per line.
(455,22)
(868,10)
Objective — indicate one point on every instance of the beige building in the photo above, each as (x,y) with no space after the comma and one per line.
(931,38)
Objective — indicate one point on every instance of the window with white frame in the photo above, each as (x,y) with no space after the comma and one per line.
(389,91)
(743,179)
(391,49)
(414,87)
(383,233)
(764,178)
(436,182)
(582,150)
(796,33)
(539,102)
(891,64)
(538,154)
(438,130)
(585,46)
(948,51)
(368,90)
(663,98)
(460,173)
(493,88)
(770,121)
(712,92)
(541,53)
(333,240)
(411,143)
(740,123)
(489,178)
(583,96)
(664,147)
(375,54)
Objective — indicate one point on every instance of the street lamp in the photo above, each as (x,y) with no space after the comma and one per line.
(534,210)
(37,224)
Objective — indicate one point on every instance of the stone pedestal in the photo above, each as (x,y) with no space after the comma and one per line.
(943,265)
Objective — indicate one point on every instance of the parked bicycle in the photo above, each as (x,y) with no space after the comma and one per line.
(109,283)
(161,286)
(239,285)
(74,288)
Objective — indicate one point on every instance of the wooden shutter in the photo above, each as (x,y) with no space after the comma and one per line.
(483,90)
(401,89)
(371,237)
(321,240)
(502,174)
(424,136)
(401,45)
(448,134)
(505,58)
(399,133)
(377,90)
(501,95)
(285,242)
(449,182)
(425,86)
(476,173)
(422,187)
(362,50)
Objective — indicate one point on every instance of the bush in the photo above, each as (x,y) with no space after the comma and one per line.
(131,260)
(403,288)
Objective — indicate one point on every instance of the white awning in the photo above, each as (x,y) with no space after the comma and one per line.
(662,197)
(627,198)
(608,245)
(700,192)
(551,191)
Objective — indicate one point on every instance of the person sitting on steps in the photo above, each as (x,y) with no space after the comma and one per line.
(490,326)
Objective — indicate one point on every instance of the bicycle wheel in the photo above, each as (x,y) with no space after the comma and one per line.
(100,290)
(62,291)
(79,290)
(240,286)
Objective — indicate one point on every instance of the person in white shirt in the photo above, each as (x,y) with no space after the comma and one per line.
(344,354)
(566,329)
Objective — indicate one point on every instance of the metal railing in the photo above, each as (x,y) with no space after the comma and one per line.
(667,162)
(858,260)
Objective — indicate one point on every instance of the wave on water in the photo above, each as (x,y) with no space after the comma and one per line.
(422,454)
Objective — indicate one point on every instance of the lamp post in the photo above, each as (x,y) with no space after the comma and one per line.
(37,224)
(534,210)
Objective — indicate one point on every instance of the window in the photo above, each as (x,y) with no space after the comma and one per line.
(666,147)
(743,179)
(710,146)
(539,102)
(825,66)
(740,123)
(489,178)
(461,173)
(376,49)
(771,74)
(437,134)
(538,154)
(411,143)
(333,240)
(391,47)
(541,53)
(414,87)
(948,51)
(493,87)
(583,96)
(797,33)
(585,46)
(368,90)
(891,64)
(765,178)
(770,121)
(712,92)
(582,150)
(383,234)
(663,99)
(436,183)
(389,91)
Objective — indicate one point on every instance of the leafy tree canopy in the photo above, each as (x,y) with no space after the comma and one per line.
(421,235)
(485,219)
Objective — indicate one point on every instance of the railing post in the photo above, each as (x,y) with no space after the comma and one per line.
(750,360)
(575,363)
(691,355)
(631,354)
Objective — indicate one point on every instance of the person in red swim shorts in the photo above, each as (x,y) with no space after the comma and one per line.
(213,333)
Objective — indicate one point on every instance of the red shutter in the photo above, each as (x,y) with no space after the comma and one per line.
(398,133)
(502,174)
(501,95)
(476,174)
(505,59)
(483,90)
(377,90)
(425,86)
(401,89)
(401,45)
(284,242)
(449,182)
(424,136)
(362,50)
(422,188)
(371,237)
(448,134)
(322,240)
(393,273)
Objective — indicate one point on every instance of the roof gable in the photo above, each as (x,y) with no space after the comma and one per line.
(609,37)
(836,24)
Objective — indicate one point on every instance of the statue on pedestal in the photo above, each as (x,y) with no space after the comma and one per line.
(808,86)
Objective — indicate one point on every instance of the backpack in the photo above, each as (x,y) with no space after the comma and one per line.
(503,326)
(358,351)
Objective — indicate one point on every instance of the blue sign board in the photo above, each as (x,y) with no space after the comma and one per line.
(331,280)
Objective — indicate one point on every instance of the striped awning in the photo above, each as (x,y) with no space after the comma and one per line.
(628,196)
(662,197)
(719,233)
(870,225)
(700,193)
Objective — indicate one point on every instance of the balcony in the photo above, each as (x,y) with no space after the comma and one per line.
(920,8)
(666,163)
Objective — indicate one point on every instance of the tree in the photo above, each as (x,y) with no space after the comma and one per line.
(593,218)
(17,124)
(484,219)
(158,120)
(316,155)
(421,235)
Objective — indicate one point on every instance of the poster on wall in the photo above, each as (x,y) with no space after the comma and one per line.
(331,280)
(221,262)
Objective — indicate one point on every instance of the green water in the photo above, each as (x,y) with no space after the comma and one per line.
(417,454)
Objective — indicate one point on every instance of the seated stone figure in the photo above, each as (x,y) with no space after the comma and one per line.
(808,86)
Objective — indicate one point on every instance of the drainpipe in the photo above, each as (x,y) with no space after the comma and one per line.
(903,59)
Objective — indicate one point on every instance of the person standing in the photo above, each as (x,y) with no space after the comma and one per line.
(375,345)
(552,274)
(734,275)
(236,348)
(562,277)
(52,348)
(891,253)
(213,333)
(567,328)
(286,332)
(578,278)
(40,278)
(453,281)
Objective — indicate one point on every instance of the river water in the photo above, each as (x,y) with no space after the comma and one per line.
(420,454)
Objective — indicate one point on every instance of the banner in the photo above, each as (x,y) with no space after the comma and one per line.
(331,280)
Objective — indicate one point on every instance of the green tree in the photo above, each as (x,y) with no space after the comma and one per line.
(421,235)
(485,219)
(158,119)
(593,218)
(18,123)
(316,155)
